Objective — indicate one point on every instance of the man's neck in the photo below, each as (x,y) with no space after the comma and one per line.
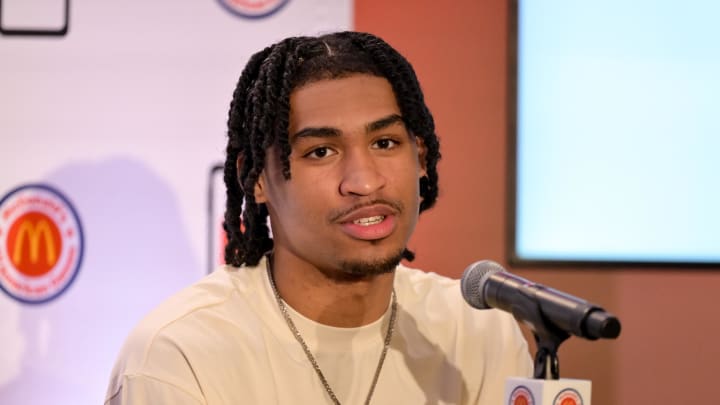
(333,302)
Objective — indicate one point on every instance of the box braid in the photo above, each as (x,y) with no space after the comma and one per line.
(259,114)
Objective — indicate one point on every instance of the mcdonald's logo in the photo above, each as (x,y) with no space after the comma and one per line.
(34,244)
(41,243)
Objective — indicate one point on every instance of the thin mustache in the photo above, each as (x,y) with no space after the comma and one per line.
(396,205)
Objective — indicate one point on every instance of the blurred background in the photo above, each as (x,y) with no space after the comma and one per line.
(113,125)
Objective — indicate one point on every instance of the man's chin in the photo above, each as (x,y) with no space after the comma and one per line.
(355,270)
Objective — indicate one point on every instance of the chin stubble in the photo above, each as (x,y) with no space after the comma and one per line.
(354,270)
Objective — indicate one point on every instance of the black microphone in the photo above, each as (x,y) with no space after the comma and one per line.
(485,284)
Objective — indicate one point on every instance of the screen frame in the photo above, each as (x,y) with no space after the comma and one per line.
(38,32)
(513,257)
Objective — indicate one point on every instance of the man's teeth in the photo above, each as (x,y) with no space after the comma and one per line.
(369,221)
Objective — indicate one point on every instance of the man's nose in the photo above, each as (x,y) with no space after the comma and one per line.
(361,174)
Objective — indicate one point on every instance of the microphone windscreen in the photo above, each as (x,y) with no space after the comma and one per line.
(474,279)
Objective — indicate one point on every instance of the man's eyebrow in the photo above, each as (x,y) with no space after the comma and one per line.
(383,123)
(316,132)
(330,132)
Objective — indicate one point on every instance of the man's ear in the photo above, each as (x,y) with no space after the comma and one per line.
(422,155)
(259,191)
(259,185)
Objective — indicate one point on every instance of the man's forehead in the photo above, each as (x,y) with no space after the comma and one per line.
(349,102)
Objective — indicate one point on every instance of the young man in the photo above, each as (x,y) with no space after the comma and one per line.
(330,138)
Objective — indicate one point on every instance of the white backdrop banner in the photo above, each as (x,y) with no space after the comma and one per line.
(112,117)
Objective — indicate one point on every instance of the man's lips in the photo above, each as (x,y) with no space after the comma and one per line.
(370,222)
(375,210)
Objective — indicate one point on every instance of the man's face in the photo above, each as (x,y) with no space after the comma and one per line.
(352,201)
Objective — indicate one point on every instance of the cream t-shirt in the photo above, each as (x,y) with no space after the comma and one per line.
(224,341)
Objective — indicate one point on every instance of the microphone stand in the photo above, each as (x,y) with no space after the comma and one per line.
(547,365)
(547,336)
(546,387)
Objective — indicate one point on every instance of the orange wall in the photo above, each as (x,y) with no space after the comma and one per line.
(667,351)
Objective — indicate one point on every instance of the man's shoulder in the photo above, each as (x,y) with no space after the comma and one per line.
(175,321)
(183,329)
(204,295)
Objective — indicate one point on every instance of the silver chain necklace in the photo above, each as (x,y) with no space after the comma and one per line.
(298,337)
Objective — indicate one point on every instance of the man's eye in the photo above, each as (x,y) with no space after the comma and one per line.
(319,153)
(385,143)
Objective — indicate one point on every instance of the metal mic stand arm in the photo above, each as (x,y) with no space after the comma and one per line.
(547,336)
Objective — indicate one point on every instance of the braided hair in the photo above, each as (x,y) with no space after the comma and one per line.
(259,114)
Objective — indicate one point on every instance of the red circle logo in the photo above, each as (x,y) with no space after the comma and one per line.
(568,396)
(521,396)
(252,8)
(33,244)
(41,243)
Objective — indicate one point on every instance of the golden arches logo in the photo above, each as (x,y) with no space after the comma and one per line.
(41,243)
(33,233)
(34,243)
